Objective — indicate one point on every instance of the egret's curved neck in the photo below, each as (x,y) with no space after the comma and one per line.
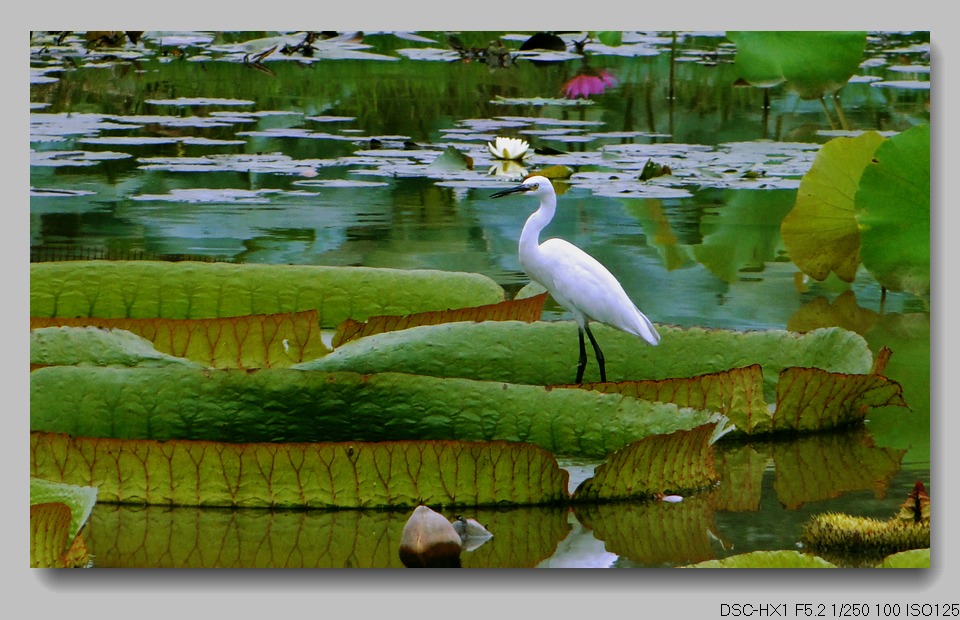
(538,220)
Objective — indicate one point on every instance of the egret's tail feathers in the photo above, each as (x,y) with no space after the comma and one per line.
(645,329)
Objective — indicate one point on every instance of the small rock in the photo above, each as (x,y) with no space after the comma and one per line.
(429,541)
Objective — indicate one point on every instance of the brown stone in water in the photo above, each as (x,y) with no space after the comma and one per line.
(429,541)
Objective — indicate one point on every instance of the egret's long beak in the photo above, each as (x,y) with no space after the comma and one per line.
(512,190)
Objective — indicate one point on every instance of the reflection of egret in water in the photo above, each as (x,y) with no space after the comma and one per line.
(588,82)
(508,169)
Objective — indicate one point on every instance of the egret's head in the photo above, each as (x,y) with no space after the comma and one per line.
(536,185)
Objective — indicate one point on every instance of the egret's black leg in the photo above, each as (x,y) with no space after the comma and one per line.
(596,349)
(582,364)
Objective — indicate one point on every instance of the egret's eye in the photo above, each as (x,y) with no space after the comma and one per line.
(535,186)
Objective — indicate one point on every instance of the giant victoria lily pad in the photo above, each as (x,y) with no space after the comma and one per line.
(146,289)
(470,383)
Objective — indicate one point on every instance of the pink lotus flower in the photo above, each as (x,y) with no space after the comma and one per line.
(587,84)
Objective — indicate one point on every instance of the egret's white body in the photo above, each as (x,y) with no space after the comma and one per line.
(576,280)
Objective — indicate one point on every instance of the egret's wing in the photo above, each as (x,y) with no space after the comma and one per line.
(579,282)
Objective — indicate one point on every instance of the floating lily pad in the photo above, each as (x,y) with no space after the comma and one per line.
(286,405)
(146,289)
(545,353)
(768,559)
(258,341)
(297,475)
(200,101)
(95,346)
(201,195)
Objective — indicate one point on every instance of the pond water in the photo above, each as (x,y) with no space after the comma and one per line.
(184,146)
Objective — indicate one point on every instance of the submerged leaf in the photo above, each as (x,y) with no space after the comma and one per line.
(195,290)
(296,475)
(527,310)
(257,341)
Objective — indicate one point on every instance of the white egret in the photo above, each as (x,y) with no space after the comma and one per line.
(576,280)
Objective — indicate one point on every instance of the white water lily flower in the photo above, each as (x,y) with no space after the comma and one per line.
(508,148)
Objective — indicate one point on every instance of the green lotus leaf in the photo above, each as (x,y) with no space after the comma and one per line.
(893,212)
(96,346)
(196,290)
(768,559)
(257,341)
(678,462)
(821,232)
(285,405)
(295,475)
(545,353)
(810,64)
(127,536)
